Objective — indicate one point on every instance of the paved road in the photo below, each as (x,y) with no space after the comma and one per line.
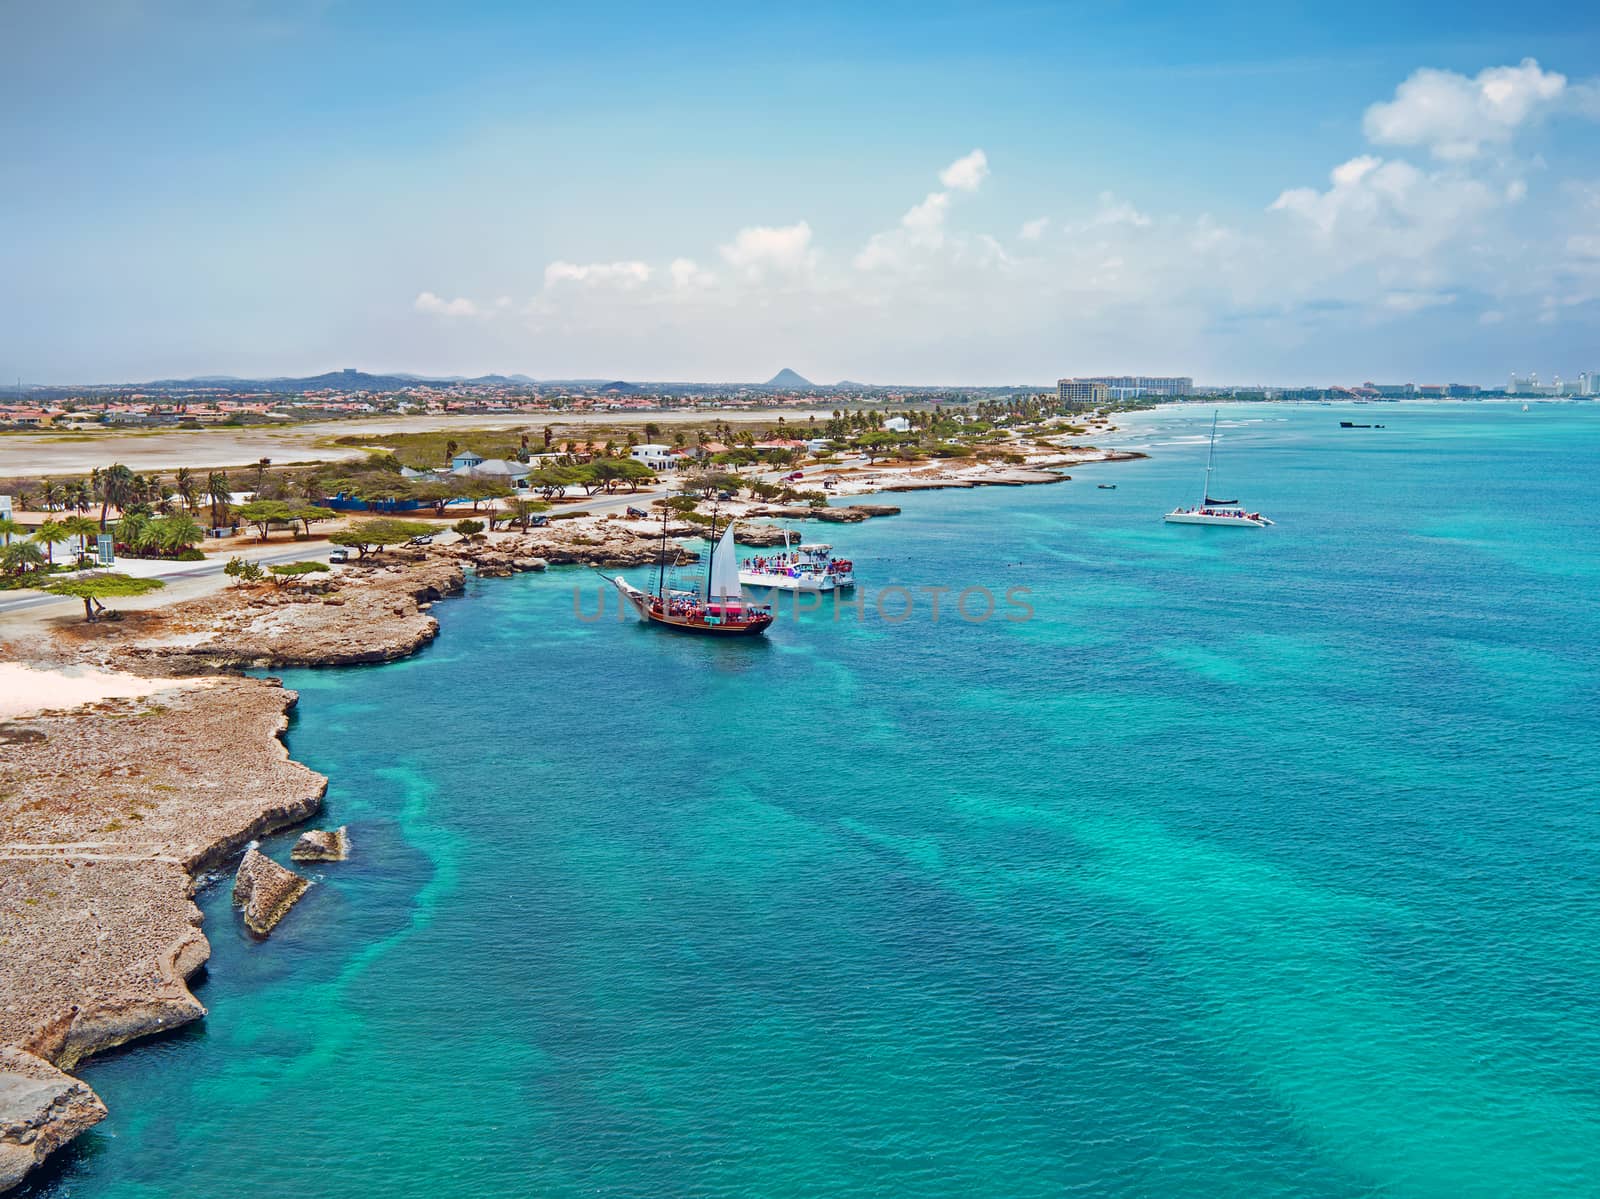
(22,601)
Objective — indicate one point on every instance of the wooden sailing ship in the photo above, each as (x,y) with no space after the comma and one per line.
(721,612)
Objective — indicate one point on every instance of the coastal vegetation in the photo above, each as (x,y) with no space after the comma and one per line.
(142,535)
(92,588)
(243,571)
(284,573)
(365,535)
(265,514)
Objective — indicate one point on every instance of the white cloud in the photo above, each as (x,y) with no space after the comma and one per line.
(1455,117)
(1416,301)
(1492,317)
(1583,245)
(439,306)
(1378,207)
(1118,212)
(767,249)
(597,274)
(927,219)
(967,172)
(1033,230)
(1350,173)
(686,274)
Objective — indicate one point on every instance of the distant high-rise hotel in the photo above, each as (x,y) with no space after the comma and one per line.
(1112,388)
(1079,394)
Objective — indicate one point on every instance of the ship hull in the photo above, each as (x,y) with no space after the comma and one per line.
(644,604)
(1199,518)
(789,583)
(748,628)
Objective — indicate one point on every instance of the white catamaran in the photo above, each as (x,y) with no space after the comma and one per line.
(1216,512)
(810,567)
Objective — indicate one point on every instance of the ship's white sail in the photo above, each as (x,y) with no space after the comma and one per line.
(725,568)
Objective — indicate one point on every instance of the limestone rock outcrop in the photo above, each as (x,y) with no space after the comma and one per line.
(846,514)
(764,536)
(266,890)
(322,845)
(41,1109)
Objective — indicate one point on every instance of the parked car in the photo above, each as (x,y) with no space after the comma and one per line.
(724,495)
(339,556)
(637,513)
(794,478)
(538,522)
(425,539)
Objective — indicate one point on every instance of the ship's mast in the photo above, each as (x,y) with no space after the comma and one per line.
(711,557)
(661,574)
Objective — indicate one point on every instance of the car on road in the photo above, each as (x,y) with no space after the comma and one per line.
(339,556)
(637,513)
(425,539)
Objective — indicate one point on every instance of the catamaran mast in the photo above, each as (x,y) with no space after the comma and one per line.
(1211,455)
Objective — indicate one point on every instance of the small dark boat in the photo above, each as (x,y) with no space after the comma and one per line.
(1350,424)
(1108,486)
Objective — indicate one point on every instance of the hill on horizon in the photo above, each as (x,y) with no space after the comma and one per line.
(788,378)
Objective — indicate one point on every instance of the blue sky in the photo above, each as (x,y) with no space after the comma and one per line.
(896,192)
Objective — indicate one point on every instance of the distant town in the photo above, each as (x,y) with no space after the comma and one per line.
(196,403)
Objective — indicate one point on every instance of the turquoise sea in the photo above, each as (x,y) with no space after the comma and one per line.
(1255,863)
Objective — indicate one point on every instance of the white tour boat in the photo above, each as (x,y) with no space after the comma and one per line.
(810,567)
(1215,512)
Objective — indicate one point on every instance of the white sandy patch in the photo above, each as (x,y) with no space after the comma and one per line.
(25,690)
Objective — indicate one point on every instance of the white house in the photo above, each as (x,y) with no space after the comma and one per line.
(656,457)
(897,424)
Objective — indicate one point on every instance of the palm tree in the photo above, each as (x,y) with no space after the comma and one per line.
(20,557)
(81,527)
(50,534)
(261,470)
(9,529)
(174,534)
(48,495)
(114,486)
(217,489)
(186,487)
(450,448)
(136,531)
